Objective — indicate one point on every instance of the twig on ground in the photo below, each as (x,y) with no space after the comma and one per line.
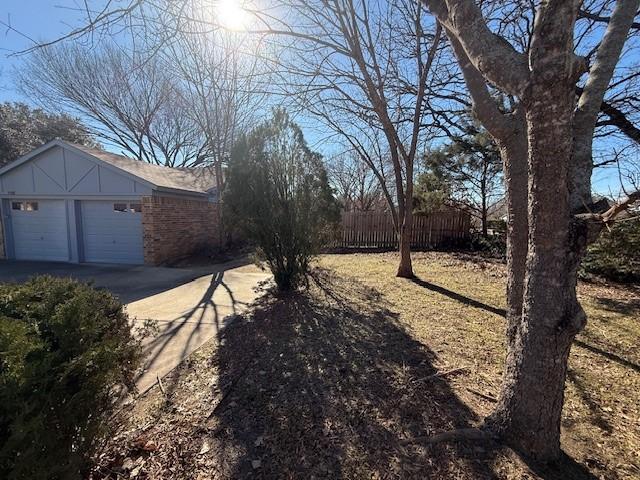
(446,373)
(458,435)
(164,392)
(489,398)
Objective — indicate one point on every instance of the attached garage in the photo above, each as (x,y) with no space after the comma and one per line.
(69,203)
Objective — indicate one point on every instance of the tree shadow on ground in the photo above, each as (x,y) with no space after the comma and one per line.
(608,355)
(459,297)
(201,321)
(595,413)
(565,467)
(624,307)
(325,384)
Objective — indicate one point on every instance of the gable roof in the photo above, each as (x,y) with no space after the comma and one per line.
(199,180)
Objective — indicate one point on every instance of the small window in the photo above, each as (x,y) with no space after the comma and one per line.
(136,207)
(25,206)
(119,207)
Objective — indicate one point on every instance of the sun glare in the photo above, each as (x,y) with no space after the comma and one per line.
(231,15)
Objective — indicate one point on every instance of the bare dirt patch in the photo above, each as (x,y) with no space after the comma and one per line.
(326,383)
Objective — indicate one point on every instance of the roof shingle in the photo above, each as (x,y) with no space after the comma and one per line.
(196,179)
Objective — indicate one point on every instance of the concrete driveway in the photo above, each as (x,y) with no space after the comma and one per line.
(190,305)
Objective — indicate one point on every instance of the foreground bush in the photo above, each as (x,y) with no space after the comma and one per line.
(278,195)
(616,254)
(65,350)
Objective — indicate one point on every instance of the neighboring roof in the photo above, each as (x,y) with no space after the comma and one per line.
(197,179)
(600,204)
(498,210)
(201,180)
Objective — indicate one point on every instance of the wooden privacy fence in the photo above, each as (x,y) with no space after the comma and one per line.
(375,230)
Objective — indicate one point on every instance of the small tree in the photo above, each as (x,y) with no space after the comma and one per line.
(472,169)
(278,193)
(431,193)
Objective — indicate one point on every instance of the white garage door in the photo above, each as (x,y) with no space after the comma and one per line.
(112,232)
(40,230)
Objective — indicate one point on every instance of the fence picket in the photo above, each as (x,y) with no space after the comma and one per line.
(375,230)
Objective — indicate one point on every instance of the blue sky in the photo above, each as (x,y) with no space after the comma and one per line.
(46,19)
(38,19)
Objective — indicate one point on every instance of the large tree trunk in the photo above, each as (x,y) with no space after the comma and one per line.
(529,409)
(528,412)
(405,268)
(513,150)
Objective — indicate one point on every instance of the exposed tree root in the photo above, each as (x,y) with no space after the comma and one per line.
(461,434)
(489,398)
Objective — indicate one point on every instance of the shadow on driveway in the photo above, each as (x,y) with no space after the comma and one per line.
(128,282)
(188,305)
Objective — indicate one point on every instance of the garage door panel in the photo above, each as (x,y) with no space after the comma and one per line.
(131,231)
(106,237)
(106,245)
(36,218)
(41,234)
(31,232)
(111,236)
(53,243)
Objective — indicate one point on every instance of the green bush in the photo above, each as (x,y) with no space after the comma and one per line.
(65,351)
(616,254)
(278,194)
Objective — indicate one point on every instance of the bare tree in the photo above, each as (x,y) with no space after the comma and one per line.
(127,99)
(222,79)
(543,131)
(356,187)
(178,92)
(364,70)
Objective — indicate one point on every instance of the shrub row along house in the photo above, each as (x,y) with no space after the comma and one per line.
(69,203)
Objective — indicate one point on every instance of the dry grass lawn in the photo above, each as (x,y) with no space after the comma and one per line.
(325,383)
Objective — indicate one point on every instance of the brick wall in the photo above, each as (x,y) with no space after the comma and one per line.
(175,227)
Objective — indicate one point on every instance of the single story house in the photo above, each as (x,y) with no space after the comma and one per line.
(69,203)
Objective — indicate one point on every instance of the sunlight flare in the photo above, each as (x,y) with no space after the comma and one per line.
(232,15)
